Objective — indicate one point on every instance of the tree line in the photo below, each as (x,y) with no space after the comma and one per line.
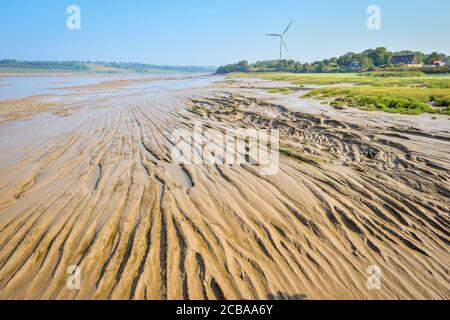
(83,66)
(368,60)
(45,65)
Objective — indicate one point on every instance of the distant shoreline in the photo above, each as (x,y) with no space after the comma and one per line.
(98,67)
(93,74)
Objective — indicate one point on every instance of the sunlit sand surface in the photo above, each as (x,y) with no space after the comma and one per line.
(92,183)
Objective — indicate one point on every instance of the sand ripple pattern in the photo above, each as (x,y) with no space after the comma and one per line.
(107,198)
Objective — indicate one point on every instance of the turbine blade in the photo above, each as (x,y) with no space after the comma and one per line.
(287,28)
(285,46)
(273,35)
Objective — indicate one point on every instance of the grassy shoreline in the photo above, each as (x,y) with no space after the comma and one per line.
(408,93)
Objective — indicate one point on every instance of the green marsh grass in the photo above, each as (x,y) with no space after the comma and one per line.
(408,94)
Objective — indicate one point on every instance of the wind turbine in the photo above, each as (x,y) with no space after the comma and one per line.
(281,36)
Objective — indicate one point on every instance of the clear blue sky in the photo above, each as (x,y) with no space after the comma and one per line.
(215,32)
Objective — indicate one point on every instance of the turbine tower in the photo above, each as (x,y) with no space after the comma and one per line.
(281,36)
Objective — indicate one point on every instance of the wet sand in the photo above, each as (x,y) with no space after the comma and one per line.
(19,108)
(97,188)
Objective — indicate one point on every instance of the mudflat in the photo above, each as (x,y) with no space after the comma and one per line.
(89,181)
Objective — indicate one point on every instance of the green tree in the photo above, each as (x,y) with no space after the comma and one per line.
(244,66)
(364,61)
(379,56)
(431,58)
(346,59)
